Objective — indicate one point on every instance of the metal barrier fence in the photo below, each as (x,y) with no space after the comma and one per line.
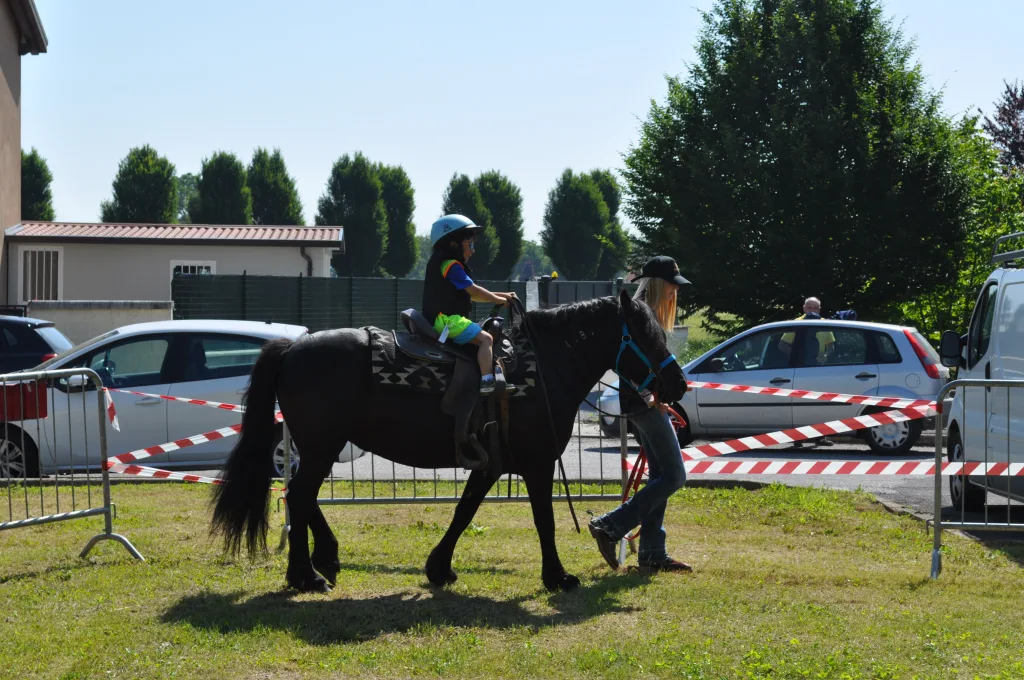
(45,431)
(593,462)
(965,435)
(316,303)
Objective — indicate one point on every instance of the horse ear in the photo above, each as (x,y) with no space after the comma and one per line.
(627,304)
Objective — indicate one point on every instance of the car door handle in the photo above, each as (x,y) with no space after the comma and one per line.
(865,376)
(148,401)
(779,381)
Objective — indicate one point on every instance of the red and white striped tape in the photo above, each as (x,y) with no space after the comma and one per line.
(149,451)
(853,467)
(111,411)
(234,408)
(140,471)
(828,429)
(834,397)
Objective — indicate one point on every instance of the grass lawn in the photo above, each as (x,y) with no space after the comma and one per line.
(789,583)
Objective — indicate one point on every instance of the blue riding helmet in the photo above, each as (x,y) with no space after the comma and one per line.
(448,224)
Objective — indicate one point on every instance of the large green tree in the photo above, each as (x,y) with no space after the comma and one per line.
(399,205)
(222,192)
(36,196)
(575,225)
(275,200)
(1006,127)
(188,187)
(144,190)
(423,247)
(994,211)
(616,244)
(462,197)
(801,156)
(505,204)
(352,200)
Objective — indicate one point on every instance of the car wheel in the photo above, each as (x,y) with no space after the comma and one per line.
(894,439)
(965,495)
(609,426)
(17,462)
(279,456)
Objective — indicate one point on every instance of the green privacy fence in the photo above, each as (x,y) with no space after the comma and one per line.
(316,303)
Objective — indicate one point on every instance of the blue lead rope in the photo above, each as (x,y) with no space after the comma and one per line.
(627,341)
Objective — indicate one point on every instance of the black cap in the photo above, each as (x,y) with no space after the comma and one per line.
(661,267)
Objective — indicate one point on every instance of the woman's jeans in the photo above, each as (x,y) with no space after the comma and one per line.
(666,475)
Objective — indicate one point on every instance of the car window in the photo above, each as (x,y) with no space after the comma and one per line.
(213,358)
(886,348)
(77,348)
(57,341)
(130,364)
(825,347)
(760,351)
(981,326)
(10,339)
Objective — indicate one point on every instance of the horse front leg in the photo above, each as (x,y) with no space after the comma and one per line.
(538,486)
(439,564)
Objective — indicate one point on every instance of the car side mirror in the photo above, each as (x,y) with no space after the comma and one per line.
(78,383)
(949,349)
(717,365)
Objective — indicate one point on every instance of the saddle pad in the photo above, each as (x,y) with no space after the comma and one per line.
(393,368)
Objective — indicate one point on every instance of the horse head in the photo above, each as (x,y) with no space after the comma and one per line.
(644,358)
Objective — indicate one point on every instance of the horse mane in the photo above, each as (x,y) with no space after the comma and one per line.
(577,313)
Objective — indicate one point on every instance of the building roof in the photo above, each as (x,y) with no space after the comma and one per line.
(148,233)
(30,27)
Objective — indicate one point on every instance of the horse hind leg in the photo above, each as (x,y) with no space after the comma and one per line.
(439,564)
(305,513)
(325,547)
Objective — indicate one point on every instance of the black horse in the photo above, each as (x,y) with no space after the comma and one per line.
(324,387)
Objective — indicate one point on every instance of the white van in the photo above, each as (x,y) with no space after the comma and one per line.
(993,348)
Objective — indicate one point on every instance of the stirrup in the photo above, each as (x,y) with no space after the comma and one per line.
(480,463)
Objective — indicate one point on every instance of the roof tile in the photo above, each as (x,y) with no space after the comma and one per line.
(199,232)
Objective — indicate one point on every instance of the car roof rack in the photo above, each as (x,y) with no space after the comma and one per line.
(1010,255)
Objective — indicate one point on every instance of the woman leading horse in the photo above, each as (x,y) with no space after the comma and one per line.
(323,383)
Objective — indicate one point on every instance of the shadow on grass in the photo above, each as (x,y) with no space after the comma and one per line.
(1007,542)
(329,621)
(414,571)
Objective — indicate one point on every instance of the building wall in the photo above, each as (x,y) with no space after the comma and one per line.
(10,124)
(143,271)
(84,320)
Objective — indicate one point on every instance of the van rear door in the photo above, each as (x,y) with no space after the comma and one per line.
(1006,405)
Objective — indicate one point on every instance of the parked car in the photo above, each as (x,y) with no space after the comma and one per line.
(988,424)
(208,360)
(26,342)
(867,358)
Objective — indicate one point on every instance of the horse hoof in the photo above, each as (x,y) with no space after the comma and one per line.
(329,571)
(562,582)
(442,579)
(310,585)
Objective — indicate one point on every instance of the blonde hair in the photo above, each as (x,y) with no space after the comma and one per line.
(660,299)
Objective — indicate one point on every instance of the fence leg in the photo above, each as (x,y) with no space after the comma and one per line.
(623,451)
(286,442)
(108,520)
(937,517)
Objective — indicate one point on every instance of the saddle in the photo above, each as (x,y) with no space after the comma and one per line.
(462,399)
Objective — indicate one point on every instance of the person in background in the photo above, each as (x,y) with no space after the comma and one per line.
(826,344)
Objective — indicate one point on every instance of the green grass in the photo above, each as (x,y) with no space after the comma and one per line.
(788,583)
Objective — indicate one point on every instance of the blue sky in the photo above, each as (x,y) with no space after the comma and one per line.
(528,88)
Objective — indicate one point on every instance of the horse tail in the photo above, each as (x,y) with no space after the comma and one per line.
(242,500)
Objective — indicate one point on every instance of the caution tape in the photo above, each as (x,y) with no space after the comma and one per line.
(111,411)
(234,408)
(141,454)
(832,397)
(834,427)
(853,467)
(155,473)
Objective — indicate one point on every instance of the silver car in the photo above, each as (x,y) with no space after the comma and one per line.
(849,357)
(208,360)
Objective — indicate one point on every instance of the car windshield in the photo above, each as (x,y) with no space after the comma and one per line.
(99,338)
(57,341)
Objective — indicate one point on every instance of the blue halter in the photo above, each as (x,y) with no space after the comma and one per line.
(627,341)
